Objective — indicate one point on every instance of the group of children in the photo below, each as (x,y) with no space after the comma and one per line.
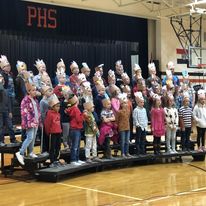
(101,111)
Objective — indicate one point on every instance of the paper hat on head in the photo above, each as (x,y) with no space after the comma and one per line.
(113,88)
(72,100)
(105,102)
(73,65)
(39,64)
(29,86)
(88,105)
(45,77)
(122,97)
(170,96)
(53,100)
(201,93)
(111,75)
(155,96)
(21,66)
(185,74)
(118,62)
(186,95)
(85,67)
(86,85)
(97,77)
(60,72)
(151,66)
(4,61)
(138,96)
(126,89)
(170,65)
(81,78)
(66,90)
(61,64)
(136,67)
(45,88)
(99,67)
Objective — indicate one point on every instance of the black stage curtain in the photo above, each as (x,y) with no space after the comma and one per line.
(80,35)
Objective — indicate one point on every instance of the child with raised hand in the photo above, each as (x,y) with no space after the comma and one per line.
(31,120)
(157,123)
(140,123)
(123,123)
(53,130)
(199,115)
(172,120)
(76,125)
(91,132)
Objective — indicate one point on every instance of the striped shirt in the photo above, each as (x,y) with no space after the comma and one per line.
(186,114)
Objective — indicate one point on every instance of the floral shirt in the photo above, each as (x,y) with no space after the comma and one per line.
(28,119)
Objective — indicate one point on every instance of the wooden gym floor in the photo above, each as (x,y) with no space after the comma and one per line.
(169,184)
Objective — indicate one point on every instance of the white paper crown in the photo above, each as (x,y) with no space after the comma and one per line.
(39,63)
(84,64)
(138,95)
(21,66)
(86,84)
(136,67)
(60,72)
(81,78)
(118,62)
(111,73)
(60,64)
(122,97)
(3,61)
(170,65)
(73,65)
(151,66)
(100,66)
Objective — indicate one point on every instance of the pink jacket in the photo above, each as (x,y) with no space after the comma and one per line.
(28,115)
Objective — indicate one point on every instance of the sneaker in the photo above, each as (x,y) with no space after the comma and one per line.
(32,155)
(96,159)
(80,162)
(52,165)
(200,149)
(14,141)
(174,151)
(75,163)
(203,148)
(20,158)
(89,160)
(128,155)
(123,156)
(2,144)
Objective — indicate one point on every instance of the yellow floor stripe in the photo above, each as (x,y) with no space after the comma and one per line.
(100,191)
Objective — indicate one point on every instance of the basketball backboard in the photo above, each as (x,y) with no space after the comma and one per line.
(197,56)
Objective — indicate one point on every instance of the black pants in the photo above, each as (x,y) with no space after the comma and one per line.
(200,136)
(54,146)
(185,138)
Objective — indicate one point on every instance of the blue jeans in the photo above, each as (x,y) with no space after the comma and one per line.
(140,141)
(5,120)
(124,142)
(75,135)
(29,141)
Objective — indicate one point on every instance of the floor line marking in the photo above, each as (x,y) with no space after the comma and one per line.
(100,191)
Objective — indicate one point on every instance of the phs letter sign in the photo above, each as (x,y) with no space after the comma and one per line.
(41,17)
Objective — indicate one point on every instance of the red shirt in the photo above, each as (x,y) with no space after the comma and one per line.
(76,117)
(52,123)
